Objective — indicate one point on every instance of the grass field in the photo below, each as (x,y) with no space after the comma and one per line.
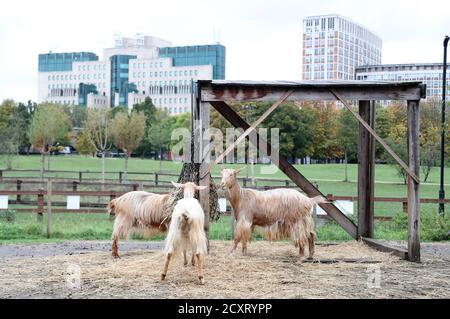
(98,226)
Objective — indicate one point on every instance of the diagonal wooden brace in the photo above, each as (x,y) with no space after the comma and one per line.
(377,137)
(248,131)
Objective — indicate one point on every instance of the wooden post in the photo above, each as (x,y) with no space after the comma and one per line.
(413,186)
(74,186)
(40,203)
(1,174)
(19,188)
(366,162)
(156,179)
(80,176)
(49,207)
(120,177)
(135,187)
(205,178)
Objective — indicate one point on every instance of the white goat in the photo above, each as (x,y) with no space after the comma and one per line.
(186,230)
(283,213)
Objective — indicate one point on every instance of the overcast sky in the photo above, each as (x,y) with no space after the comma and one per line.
(263,38)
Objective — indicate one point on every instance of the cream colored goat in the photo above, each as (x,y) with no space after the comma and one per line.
(137,210)
(186,231)
(284,213)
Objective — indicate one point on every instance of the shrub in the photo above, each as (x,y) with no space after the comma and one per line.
(8,216)
(433,226)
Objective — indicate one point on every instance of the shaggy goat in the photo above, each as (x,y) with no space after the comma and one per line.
(186,232)
(283,213)
(140,210)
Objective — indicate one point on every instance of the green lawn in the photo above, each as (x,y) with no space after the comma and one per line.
(98,226)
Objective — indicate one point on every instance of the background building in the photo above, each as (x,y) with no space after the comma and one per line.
(134,69)
(428,73)
(333,46)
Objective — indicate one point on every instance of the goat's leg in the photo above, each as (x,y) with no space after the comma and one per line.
(166,266)
(301,250)
(115,248)
(185,258)
(311,246)
(200,260)
(247,235)
(235,244)
(193,258)
(121,229)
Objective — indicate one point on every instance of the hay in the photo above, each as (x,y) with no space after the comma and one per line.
(270,270)
(189,173)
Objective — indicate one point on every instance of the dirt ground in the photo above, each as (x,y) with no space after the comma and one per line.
(85,269)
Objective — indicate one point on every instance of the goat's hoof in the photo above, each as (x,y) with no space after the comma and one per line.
(163,277)
(202,281)
(115,255)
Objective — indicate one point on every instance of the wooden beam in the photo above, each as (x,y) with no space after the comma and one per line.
(413,185)
(378,138)
(211,93)
(250,129)
(290,170)
(366,164)
(378,245)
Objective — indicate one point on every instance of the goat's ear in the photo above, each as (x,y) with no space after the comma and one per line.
(200,188)
(177,185)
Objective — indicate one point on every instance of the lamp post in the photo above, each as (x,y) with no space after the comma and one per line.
(444,91)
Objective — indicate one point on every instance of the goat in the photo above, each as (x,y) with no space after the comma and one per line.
(283,213)
(186,231)
(140,210)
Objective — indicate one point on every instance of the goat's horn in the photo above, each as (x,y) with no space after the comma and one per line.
(240,169)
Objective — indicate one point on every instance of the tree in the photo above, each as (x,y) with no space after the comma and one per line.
(49,123)
(348,137)
(159,134)
(97,128)
(127,132)
(8,131)
(149,109)
(84,145)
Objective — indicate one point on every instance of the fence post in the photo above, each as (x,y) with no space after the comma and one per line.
(1,174)
(405,207)
(287,183)
(120,177)
(156,178)
(49,207)
(74,186)
(80,176)
(135,187)
(19,188)
(40,203)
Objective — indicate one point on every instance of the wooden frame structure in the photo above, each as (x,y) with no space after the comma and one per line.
(217,93)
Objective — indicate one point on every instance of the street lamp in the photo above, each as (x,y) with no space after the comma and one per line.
(444,90)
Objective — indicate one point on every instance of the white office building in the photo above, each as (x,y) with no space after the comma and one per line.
(428,73)
(333,46)
(130,71)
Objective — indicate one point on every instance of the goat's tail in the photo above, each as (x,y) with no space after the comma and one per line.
(111,207)
(318,200)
